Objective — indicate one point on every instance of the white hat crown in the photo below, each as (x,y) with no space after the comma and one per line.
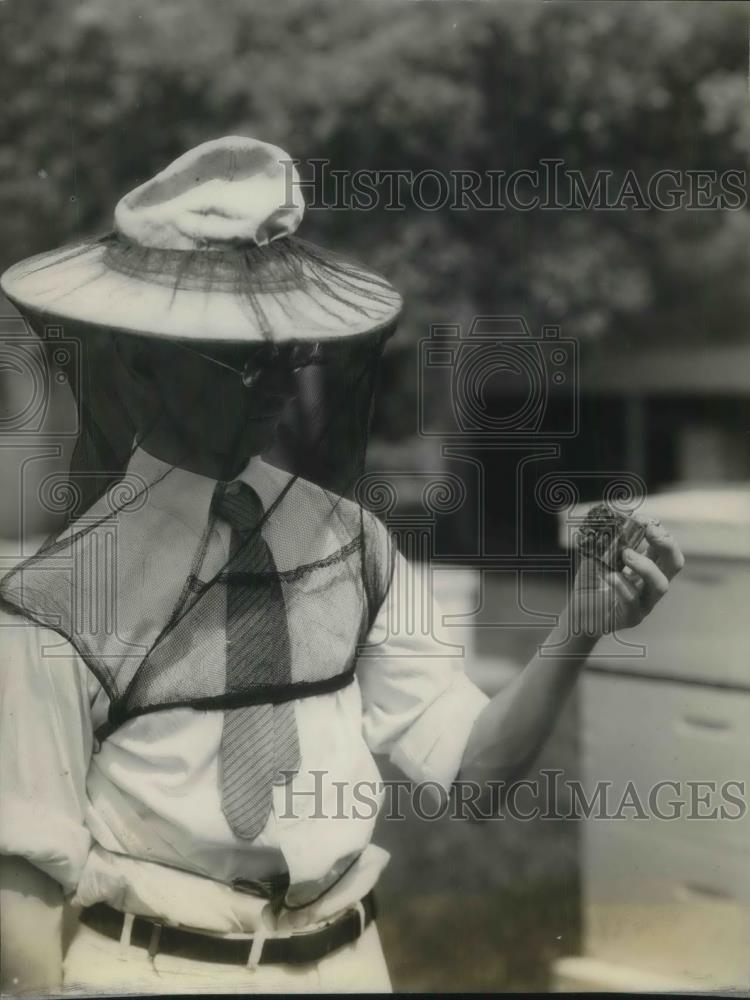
(226,192)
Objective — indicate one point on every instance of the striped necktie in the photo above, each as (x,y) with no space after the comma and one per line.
(258,741)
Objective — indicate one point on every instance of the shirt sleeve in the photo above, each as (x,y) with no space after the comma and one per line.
(418,704)
(46,747)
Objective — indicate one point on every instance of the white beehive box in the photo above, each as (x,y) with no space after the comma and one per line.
(667,902)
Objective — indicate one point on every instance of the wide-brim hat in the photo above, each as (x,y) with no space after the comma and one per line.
(206,250)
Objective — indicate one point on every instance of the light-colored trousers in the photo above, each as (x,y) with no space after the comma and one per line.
(96,965)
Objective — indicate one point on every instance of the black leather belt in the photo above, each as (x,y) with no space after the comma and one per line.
(297,948)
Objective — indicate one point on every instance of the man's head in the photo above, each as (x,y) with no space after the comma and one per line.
(203,406)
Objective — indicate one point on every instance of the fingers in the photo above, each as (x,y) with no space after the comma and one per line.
(614,602)
(634,530)
(655,582)
(664,550)
(627,588)
(626,608)
(632,577)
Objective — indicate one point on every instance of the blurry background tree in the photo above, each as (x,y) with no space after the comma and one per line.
(100,94)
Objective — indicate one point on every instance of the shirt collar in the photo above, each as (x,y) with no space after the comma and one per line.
(187,495)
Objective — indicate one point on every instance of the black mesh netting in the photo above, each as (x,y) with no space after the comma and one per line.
(139,589)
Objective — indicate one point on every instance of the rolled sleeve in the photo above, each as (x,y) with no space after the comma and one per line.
(418,705)
(432,748)
(46,747)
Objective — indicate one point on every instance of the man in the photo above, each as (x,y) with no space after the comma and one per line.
(198,670)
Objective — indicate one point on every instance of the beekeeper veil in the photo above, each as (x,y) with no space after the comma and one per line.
(216,348)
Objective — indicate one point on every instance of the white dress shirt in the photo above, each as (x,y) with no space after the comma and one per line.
(138,821)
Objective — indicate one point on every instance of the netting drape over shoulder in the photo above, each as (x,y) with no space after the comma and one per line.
(133,592)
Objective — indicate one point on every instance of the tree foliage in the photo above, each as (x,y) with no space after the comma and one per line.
(100,94)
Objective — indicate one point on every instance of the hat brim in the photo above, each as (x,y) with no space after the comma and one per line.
(84,283)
